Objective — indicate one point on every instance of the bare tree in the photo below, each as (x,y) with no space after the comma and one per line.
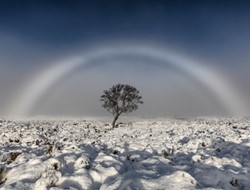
(121,98)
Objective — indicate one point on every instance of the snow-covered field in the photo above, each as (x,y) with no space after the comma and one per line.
(145,154)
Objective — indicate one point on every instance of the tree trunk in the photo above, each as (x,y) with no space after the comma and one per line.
(114,121)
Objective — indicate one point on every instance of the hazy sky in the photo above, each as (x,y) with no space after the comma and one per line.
(35,36)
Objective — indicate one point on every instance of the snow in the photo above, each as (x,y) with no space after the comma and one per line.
(203,153)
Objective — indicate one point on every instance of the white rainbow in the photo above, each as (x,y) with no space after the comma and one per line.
(209,78)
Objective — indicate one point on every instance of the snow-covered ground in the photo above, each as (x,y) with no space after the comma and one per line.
(145,154)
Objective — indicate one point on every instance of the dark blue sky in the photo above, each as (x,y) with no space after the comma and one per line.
(61,23)
(35,33)
(212,28)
